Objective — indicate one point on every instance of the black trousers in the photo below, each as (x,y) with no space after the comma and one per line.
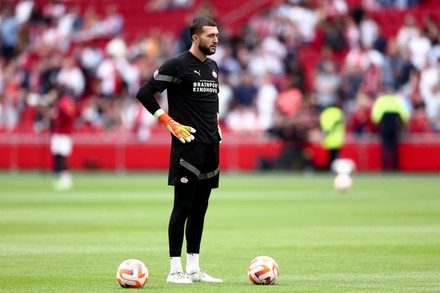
(390,152)
(389,130)
(187,218)
(194,172)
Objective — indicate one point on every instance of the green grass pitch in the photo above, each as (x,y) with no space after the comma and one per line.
(381,236)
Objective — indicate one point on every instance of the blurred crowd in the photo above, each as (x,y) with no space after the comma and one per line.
(286,65)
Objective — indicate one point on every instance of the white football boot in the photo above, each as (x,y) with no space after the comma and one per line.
(178,278)
(202,276)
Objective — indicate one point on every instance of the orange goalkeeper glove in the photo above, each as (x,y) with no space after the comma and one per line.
(182,132)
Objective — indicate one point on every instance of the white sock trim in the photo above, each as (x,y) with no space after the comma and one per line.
(192,262)
(176,264)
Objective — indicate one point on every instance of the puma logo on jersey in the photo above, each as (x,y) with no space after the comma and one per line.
(198,72)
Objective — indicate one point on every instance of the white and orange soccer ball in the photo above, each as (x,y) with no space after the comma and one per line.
(132,273)
(263,270)
(342,182)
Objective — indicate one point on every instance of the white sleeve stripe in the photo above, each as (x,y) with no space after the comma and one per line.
(166,78)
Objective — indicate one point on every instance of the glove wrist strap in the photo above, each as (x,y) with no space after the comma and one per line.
(162,116)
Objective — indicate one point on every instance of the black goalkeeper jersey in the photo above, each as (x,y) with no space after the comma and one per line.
(192,89)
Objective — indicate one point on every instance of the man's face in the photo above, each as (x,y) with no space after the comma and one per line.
(208,40)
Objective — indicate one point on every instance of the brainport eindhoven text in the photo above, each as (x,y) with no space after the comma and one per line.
(205,87)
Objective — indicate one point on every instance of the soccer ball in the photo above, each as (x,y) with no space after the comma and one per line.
(342,182)
(263,270)
(132,273)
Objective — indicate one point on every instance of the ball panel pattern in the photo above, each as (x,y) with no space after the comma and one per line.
(132,273)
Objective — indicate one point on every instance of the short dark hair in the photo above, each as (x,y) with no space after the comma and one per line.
(198,23)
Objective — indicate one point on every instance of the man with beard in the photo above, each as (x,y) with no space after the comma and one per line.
(191,81)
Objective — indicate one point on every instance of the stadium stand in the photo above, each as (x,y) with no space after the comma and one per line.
(148,31)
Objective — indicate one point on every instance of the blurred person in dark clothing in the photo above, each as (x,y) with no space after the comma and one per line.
(390,114)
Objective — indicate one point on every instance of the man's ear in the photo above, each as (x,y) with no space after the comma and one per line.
(195,38)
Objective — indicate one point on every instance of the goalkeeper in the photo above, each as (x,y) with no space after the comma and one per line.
(191,81)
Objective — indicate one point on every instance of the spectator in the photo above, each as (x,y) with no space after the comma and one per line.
(295,131)
(333,8)
(372,77)
(430,28)
(327,84)
(355,64)
(65,26)
(53,9)
(305,18)
(380,43)
(265,103)
(72,78)
(91,116)
(8,33)
(392,66)
(274,52)
(352,32)
(360,121)
(23,11)
(245,92)
(419,48)
(184,40)
(368,30)
(334,36)
(242,118)
(50,71)
(418,122)
(407,31)
(225,96)
(229,65)
(290,98)
(406,69)
(89,59)
(109,76)
(430,92)
(91,26)
(113,22)
(10,98)
(267,57)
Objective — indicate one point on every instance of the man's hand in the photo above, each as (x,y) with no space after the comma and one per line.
(182,132)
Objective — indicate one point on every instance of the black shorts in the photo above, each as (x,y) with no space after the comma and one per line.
(194,163)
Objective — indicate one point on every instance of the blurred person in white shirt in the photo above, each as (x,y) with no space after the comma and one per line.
(266,103)
(419,47)
(23,10)
(429,88)
(72,77)
(407,31)
(113,21)
(327,84)
(368,30)
(352,32)
(225,95)
(90,57)
(306,18)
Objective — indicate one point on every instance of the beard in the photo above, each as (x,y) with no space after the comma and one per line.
(205,50)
